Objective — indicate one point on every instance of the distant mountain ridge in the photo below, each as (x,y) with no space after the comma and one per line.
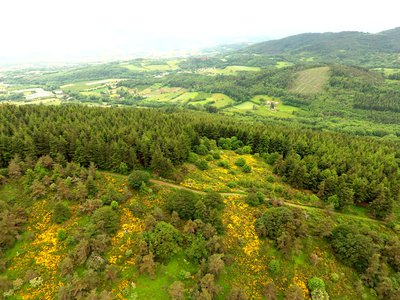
(330,45)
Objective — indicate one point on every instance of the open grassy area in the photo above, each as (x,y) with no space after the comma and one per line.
(283,64)
(87,86)
(311,81)
(229,70)
(260,105)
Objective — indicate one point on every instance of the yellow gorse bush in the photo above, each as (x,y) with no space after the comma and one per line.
(242,239)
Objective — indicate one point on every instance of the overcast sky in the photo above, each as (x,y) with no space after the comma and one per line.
(59,28)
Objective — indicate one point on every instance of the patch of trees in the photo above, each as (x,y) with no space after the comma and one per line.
(282,225)
(64,183)
(379,99)
(190,206)
(367,88)
(371,255)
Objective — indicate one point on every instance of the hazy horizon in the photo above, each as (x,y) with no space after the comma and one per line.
(46,30)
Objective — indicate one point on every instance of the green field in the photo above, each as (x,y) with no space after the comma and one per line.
(87,86)
(229,70)
(260,106)
(218,100)
(283,64)
(311,81)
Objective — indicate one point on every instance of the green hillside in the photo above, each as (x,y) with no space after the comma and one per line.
(348,46)
(124,203)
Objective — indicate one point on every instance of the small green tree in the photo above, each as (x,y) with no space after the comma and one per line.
(316,283)
(240,162)
(197,249)
(246,168)
(164,241)
(61,213)
(202,164)
(352,247)
(183,202)
(137,178)
(105,219)
(255,199)
(274,267)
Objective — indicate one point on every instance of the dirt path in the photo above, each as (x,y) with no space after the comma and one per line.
(176,186)
(306,207)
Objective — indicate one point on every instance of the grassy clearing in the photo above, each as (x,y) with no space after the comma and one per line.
(283,64)
(148,288)
(262,99)
(48,101)
(87,86)
(133,67)
(221,100)
(147,66)
(163,94)
(387,71)
(218,100)
(186,97)
(157,67)
(260,105)
(242,69)
(229,70)
(311,81)
(248,105)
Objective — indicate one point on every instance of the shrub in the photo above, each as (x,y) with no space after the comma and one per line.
(61,213)
(214,200)
(193,157)
(335,277)
(183,202)
(240,162)
(316,283)
(274,267)
(270,178)
(105,219)
(61,234)
(197,249)
(216,154)
(137,178)
(319,295)
(273,158)
(246,169)
(176,291)
(202,164)
(255,199)
(352,247)
(231,184)
(223,164)
(164,241)
(114,205)
(209,157)
(201,149)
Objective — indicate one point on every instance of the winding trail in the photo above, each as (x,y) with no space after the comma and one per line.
(302,206)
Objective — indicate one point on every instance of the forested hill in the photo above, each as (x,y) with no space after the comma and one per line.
(331,46)
(354,170)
